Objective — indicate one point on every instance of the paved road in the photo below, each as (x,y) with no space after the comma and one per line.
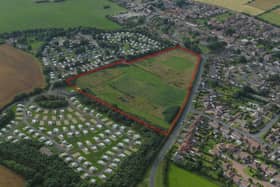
(267,127)
(257,137)
(175,133)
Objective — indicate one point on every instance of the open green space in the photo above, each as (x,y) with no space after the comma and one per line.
(26,14)
(272,16)
(153,89)
(178,177)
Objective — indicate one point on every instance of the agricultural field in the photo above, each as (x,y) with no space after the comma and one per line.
(152,89)
(19,73)
(9,178)
(236,5)
(264,5)
(70,13)
(272,16)
(178,177)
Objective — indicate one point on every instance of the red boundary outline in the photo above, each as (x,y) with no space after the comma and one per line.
(129,116)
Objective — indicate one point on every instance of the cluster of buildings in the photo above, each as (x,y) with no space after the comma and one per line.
(192,10)
(86,140)
(216,148)
(247,61)
(72,55)
(239,131)
(228,135)
(77,53)
(129,43)
(258,45)
(247,115)
(273,136)
(89,142)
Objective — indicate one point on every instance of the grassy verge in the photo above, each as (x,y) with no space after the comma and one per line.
(161,174)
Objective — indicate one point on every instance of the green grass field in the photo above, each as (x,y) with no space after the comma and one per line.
(152,90)
(272,16)
(178,177)
(25,14)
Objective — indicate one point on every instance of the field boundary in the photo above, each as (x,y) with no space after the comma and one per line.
(161,131)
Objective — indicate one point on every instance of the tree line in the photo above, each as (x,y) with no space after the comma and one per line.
(51,101)
(6,118)
(38,169)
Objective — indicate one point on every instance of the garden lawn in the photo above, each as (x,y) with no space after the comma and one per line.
(178,177)
(26,14)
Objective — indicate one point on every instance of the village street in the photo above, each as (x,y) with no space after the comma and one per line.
(267,127)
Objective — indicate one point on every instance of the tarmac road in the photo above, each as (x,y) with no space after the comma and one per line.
(175,133)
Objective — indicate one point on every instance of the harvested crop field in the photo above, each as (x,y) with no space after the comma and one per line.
(19,73)
(264,4)
(152,89)
(10,179)
(236,5)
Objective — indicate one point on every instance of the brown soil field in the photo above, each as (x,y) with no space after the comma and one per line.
(20,72)
(10,179)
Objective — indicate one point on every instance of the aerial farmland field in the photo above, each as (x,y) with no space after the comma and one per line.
(272,16)
(9,178)
(264,5)
(236,5)
(18,15)
(152,89)
(19,73)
